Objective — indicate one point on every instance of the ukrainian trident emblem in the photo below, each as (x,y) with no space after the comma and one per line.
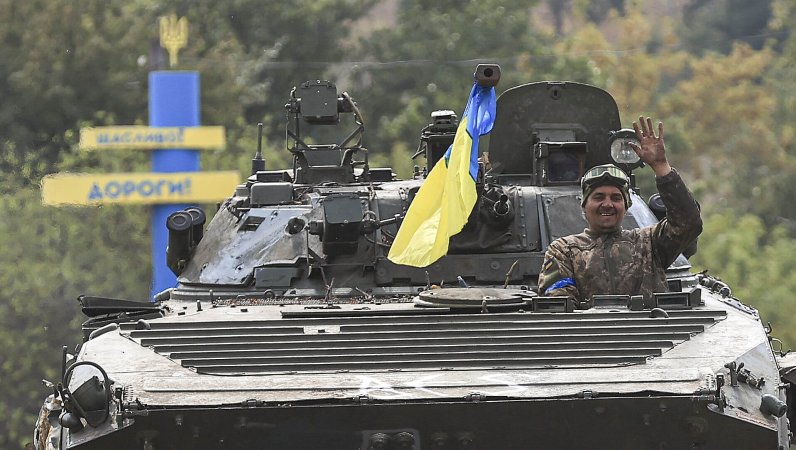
(173,35)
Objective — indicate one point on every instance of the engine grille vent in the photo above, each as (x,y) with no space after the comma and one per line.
(426,342)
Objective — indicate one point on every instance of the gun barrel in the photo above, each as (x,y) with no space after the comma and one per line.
(502,207)
(487,74)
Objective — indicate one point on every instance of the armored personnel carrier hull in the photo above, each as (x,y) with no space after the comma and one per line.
(290,328)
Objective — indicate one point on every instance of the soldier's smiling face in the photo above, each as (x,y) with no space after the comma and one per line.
(605,209)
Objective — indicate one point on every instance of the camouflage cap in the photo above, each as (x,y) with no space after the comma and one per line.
(606,174)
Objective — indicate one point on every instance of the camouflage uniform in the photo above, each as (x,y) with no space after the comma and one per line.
(628,262)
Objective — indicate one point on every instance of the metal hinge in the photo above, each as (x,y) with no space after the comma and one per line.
(587,393)
(475,397)
(251,403)
(362,399)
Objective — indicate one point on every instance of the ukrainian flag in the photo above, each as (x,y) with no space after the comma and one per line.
(447,197)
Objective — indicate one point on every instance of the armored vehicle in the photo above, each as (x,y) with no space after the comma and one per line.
(290,328)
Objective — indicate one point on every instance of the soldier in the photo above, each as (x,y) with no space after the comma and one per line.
(605,259)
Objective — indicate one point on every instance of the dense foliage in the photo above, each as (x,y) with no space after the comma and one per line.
(720,72)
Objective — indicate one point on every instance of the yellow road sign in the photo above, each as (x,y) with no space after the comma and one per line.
(152,138)
(141,188)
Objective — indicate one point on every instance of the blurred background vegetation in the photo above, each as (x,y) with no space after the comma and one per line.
(720,73)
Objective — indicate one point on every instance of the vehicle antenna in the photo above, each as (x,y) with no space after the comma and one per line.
(258,163)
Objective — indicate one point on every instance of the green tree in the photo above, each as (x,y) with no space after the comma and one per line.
(635,62)
(423,64)
(781,81)
(254,53)
(723,113)
(49,257)
(65,65)
(64,62)
(756,262)
(715,25)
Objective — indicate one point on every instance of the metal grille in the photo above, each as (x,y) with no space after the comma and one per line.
(422,342)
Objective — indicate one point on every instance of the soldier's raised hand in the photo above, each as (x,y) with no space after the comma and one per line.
(652,149)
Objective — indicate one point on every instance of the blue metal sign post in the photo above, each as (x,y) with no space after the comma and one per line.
(173,102)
